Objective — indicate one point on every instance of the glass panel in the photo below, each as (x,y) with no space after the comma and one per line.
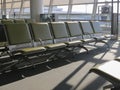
(82,8)
(59,9)
(46,2)
(26,10)
(26,4)
(82,1)
(46,9)
(115,8)
(106,0)
(60,2)
(8,5)
(78,9)
(17,5)
(16,0)
(8,0)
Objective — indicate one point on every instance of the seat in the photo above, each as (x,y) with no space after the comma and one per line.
(98,31)
(89,33)
(42,36)
(19,37)
(75,33)
(110,71)
(29,20)
(20,43)
(3,40)
(61,35)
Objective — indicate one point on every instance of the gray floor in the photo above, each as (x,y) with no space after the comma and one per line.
(69,74)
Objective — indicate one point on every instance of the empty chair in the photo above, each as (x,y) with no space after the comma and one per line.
(42,36)
(3,41)
(61,35)
(75,32)
(110,71)
(98,30)
(19,38)
(89,33)
(20,43)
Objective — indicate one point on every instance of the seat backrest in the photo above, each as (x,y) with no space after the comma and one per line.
(19,21)
(86,27)
(29,20)
(74,28)
(59,31)
(96,26)
(6,21)
(18,35)
(3,40)
(41,33)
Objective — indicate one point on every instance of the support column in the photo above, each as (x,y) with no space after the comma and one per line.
(36,8)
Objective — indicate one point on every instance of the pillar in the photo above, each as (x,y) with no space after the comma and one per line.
(36,8)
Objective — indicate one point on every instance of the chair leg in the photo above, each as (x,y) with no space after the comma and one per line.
(108,87)
(81,46)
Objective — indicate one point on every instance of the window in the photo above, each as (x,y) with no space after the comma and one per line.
(59,9)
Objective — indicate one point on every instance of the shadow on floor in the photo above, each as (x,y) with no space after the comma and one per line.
(27,72)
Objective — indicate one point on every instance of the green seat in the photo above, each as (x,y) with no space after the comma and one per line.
(19,38)
(55,46)
(29,21)
(32,50)
(61,35)
(98,30)
(89,32)
(110,71)
(76,32)
(20,46)
(42,36)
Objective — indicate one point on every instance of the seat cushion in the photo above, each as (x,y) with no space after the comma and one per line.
(32,50)
(74,43)
(55,46)
(88,40)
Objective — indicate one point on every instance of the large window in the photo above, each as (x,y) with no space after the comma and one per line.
(59,9)
(87,8)
(65,8)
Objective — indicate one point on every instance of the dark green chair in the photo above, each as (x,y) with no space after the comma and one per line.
(89,32)
(20,44)
(42,36)
(98,30)
(61,35)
